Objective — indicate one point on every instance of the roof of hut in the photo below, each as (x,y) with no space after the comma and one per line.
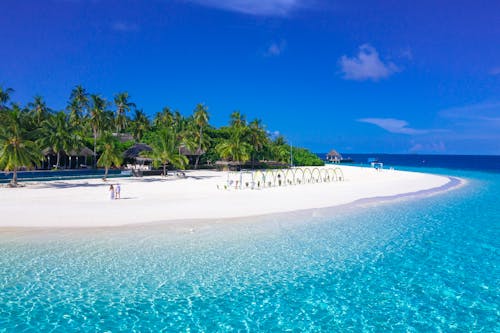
(188,152)
(135,150)
(333,153)
(82,152)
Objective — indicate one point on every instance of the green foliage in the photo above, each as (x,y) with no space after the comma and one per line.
(16,147)
(165,150)
(58,134)
(110,153)
(140,125)
(123,105)
(89,118)
(303,157)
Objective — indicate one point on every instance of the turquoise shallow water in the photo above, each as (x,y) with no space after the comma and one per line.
(421,265)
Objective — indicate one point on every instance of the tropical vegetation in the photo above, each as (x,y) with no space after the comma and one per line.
(89,121)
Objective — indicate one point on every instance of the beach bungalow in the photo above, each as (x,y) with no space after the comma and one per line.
(75,159)
(333,157)
(133,159)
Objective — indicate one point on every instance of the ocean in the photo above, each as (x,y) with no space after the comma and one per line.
(425,264)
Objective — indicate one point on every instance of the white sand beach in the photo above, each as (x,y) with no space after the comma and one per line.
(86,203)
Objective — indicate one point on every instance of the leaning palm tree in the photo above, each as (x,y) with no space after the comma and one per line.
(16,147)
(165,150)
(200,118)
(58,134)
(110,153)
(122,107)
(97,118)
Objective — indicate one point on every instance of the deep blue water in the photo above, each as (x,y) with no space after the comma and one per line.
(425,264)
(456,162)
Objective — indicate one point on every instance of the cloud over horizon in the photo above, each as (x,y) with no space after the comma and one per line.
(253,7)
(366,65)
(392,125)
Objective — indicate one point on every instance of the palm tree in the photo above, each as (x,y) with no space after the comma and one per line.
(200,118)
(234,149)
(111,154)
(237,119)
(257,137)
(165,118)
(165,150)
(140,124)
(97,118)
(280,150)
(16,147)
(59,135)
(5,96)
(39,110)
(78,104)
(122,107)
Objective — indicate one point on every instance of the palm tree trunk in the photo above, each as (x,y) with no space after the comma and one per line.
(105,173)
(197,161)
(95,148)
(164,170)
(58,159)
(14,177)
(199,149)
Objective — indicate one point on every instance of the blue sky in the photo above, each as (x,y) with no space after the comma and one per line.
(357,76)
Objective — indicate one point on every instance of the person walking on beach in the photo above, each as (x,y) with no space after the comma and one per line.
(111,192)
(117,191)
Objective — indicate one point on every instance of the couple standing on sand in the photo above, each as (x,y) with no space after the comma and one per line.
(114,193)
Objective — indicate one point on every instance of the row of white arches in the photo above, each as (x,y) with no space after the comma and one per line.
(282,177)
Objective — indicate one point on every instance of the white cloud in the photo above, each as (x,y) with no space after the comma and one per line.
(254,7)
(275,49)
(393,125)
(367,65)
(124,26)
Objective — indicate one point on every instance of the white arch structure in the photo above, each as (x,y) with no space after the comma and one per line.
(261,179)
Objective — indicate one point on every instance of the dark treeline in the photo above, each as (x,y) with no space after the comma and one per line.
(108,128)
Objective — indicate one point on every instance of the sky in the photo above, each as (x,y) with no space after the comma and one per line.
(366,76)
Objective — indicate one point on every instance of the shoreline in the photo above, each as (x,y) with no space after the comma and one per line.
(194,200)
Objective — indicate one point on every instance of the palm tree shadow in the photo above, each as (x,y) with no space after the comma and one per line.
(69,185)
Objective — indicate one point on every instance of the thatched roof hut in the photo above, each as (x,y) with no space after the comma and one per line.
(135,151)
(85,152)
(333,156)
